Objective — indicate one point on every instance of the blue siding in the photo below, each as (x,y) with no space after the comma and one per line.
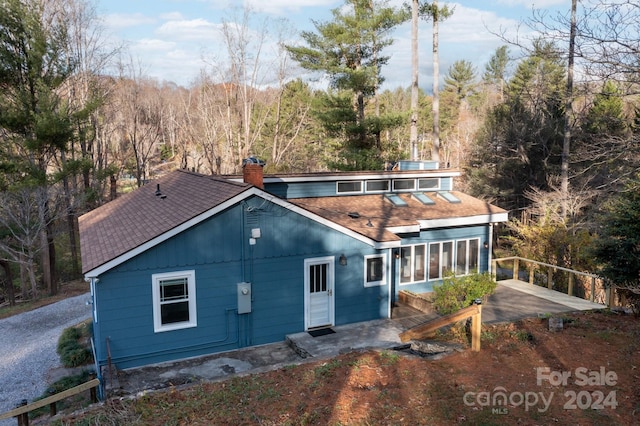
(446,184)
(219,252)
(328,189)
(418,165)
(301,189)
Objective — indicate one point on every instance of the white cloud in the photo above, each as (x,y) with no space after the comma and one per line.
(468,34)
(172,16)
(120,20)
(147,44)
(282,7)
(537,4)
(188,30)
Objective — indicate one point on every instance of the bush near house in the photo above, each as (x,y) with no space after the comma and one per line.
(457,292)
(73,347)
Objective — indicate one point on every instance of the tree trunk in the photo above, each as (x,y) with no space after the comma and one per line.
(48,251)
(71,221)
(10,291)
(435,148)
(23,277)
(413,135)
(566,145)
(113,188)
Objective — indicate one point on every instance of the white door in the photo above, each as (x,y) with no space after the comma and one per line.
(318,294)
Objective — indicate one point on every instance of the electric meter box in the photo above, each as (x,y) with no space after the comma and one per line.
(244,298)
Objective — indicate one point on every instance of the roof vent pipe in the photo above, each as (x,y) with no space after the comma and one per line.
(252,171)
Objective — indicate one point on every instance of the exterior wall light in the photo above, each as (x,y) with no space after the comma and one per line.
(486,245)
(343,260)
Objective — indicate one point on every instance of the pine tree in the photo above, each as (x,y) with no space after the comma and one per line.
(36,121)
(348,50)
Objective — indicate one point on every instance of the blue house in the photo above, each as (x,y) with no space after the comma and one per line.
(192,264)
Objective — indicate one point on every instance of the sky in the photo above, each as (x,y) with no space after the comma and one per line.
(175,40)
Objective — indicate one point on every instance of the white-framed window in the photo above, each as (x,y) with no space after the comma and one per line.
(412,264)
(467,256)
(377,185)
(429,184)
(375,270)
(440,259)
(349,187)
(404,184)
(174,300)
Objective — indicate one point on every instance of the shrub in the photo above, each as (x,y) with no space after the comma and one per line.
(456,293)
(72,351)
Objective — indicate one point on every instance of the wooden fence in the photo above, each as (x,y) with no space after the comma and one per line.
(425,330)
(594,291)
(21,413)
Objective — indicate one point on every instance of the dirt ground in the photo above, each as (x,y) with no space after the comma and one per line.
(585,374)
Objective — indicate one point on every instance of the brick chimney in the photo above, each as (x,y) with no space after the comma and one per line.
(252,172)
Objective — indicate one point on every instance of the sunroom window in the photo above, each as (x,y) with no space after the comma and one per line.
(467,255)
(440,259)
(412,266)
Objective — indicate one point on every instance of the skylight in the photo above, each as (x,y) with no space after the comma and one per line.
(449,196)
(396,200)
(422,197)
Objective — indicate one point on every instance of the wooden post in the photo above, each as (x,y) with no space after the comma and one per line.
(53,407)
(92,392)
(516,269)
(593,289)
(532,271)
(424,330)
(570,290)
(550,278)
(21,412)
(494,269)
(476,329)
(23,419)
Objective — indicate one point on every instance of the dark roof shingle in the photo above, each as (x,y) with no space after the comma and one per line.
(377,214)
(136,218)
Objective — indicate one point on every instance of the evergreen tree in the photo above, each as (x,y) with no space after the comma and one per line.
(520,145)
(617,248)
(604,150)
(35,120)
(348,49)
(461,79)
(495,72)
(606,116)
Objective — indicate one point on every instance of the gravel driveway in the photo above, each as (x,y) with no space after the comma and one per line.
(28,349)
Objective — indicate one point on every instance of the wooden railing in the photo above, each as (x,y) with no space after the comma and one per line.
(533,265)
(425,330)
(21,413)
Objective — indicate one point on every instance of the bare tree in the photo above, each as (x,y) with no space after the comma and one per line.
(436,14)
(24,225)
(139,109)
(566,146)
(242,80)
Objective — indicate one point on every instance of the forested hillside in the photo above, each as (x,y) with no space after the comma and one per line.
(547,127)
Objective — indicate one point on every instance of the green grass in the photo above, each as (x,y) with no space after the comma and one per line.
(61,385)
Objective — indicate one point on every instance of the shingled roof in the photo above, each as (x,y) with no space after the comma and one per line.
(374,215)
(140,216)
